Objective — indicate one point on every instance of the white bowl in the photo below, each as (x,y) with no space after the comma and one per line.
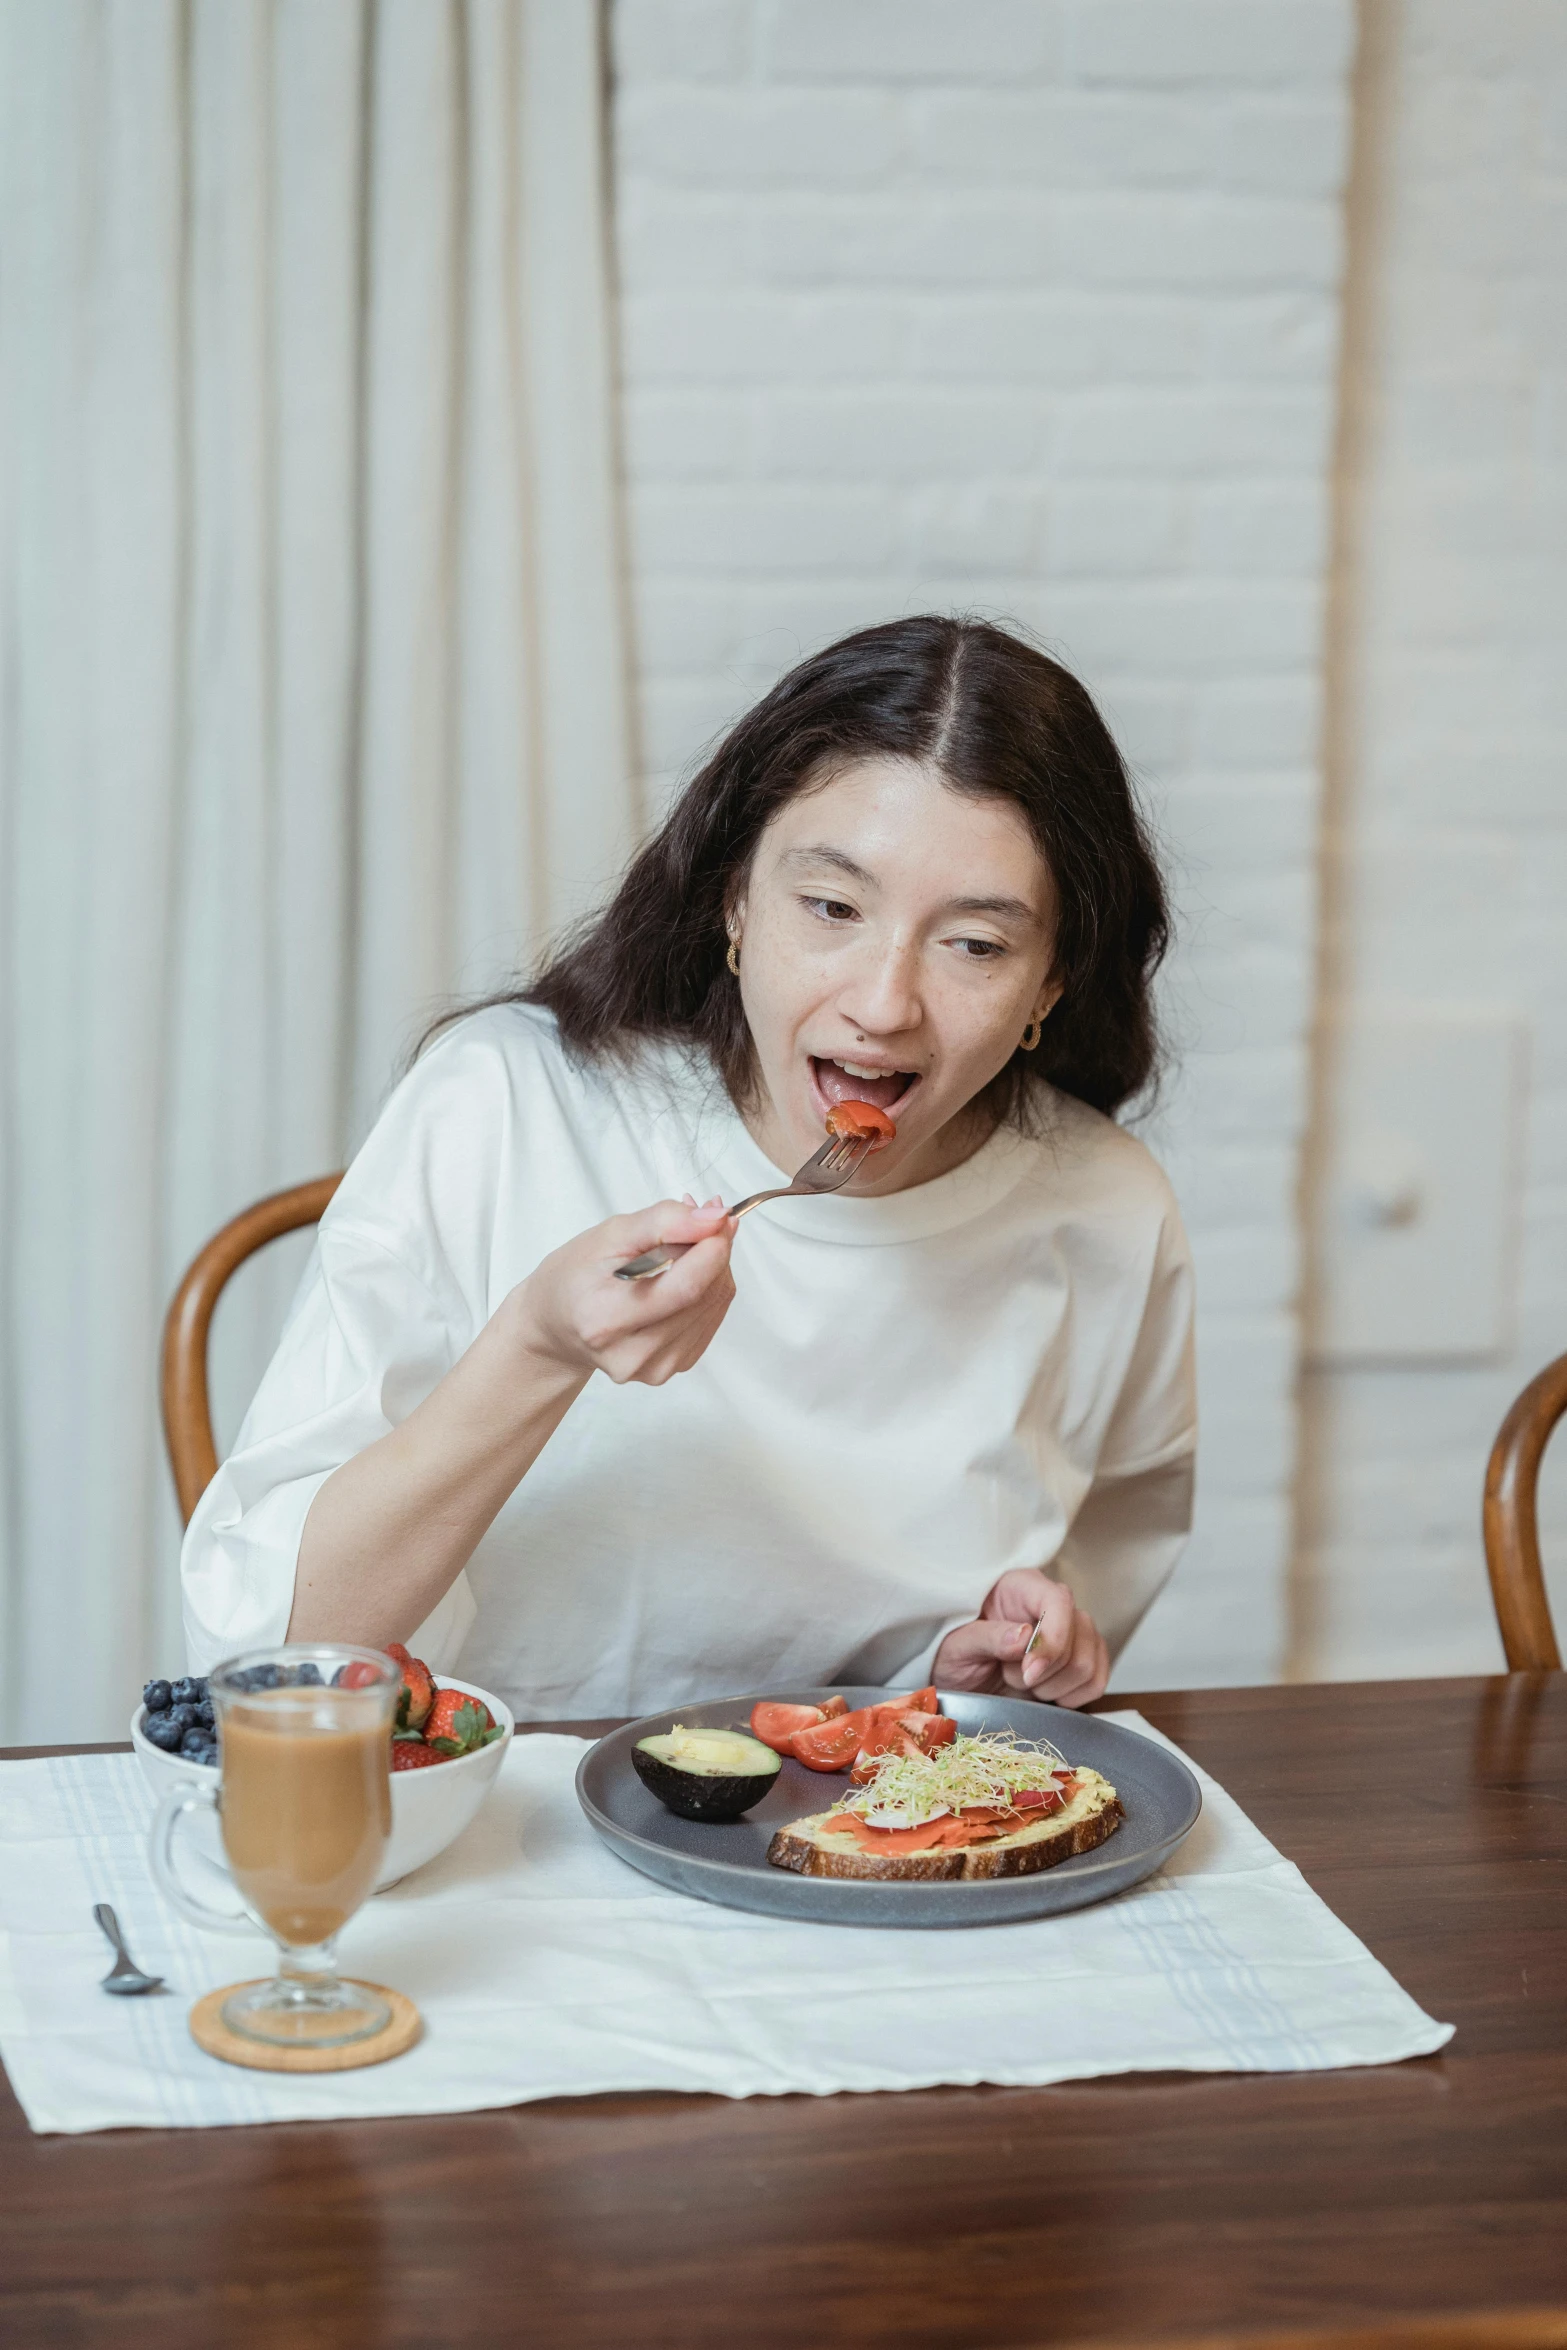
(430,1807)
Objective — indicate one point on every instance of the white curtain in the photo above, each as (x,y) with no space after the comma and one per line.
(313,705)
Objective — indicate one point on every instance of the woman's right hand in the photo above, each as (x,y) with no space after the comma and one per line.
(392,1527)
(573,1310)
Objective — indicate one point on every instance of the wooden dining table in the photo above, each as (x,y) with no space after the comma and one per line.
(1431,1816)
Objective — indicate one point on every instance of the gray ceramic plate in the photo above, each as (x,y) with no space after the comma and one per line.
(729,1864)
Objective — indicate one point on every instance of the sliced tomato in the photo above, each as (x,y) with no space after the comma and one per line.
(775,1724)
(830,1745)
(925,1732)
(861,1118)
(891,1733)
(885,1735)
(918,1701)
(1038,1799)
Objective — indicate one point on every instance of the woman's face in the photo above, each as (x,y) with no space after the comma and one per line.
(896,938)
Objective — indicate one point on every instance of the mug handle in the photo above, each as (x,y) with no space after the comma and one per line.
(160,1852)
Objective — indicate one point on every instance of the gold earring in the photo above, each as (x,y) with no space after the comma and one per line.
(733,957)
(1032,1034)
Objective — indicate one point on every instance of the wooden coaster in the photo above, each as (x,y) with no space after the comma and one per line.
(209,2031)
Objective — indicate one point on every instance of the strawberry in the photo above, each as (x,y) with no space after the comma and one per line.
(355,1676)
(412,1754)
(457,1723)
(418,1691)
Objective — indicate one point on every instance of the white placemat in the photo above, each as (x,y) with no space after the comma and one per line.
(545,1967)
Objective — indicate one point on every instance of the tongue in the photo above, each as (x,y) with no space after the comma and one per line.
(883,1093)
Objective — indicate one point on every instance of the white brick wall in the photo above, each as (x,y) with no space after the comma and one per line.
(1448,858)
(1031,307)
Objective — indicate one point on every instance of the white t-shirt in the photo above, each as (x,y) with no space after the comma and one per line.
(908,1396)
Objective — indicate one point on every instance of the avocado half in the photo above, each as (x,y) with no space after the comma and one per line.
(706,1774)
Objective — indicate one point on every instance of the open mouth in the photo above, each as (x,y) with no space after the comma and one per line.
(860,1081)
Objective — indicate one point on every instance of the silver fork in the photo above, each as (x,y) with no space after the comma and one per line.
(828,1169)
(125,1975)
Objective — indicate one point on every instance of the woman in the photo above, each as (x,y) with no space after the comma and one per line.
(877,1437)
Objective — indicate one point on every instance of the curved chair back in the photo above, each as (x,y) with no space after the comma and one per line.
(187,1412)
(1512,1531)
(1512,1535)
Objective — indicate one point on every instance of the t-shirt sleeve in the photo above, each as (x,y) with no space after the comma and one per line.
(1132,1524)
(366,1341)
(397,1289)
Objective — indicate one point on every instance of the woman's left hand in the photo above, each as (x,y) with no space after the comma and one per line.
(1070,1666)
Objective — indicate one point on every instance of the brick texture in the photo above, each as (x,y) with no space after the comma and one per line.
(1447,844)
(1031,309)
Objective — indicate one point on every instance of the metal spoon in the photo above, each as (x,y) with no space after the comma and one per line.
(125,1976)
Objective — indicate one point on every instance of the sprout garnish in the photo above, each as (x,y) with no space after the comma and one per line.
(988,1770)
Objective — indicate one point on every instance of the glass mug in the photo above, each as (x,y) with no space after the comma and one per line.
(304,1805)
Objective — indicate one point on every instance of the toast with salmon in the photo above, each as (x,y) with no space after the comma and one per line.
(832,1844)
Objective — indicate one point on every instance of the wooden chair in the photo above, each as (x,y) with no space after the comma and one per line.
(187,1413)
(1512,1532)
(1512,1538)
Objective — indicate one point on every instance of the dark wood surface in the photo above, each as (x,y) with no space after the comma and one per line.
(1432,1816)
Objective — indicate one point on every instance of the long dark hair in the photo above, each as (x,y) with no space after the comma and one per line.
(993,717)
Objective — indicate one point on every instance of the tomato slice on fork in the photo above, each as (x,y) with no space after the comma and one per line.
(845,1118)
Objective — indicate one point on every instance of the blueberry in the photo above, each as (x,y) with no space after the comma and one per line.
(205,1715)
(307,1676)
(259,1677)
(163,1730)
(195,1745)
(156,1697)
(186,1692)
(179,1717)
